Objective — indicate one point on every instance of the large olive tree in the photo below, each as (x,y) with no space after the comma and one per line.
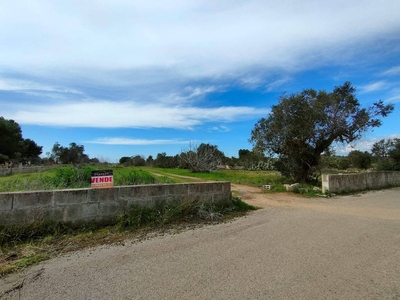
(304,125)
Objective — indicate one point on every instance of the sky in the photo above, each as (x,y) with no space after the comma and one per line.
(126,78)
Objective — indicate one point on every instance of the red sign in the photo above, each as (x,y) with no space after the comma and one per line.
(102,179)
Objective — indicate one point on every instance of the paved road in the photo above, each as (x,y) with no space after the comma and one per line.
(337,248)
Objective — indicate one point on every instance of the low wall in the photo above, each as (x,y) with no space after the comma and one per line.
(339,183)
(82,205)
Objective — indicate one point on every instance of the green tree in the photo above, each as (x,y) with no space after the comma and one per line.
(30,151)
(74,154)
(150,160)
(138,160)
(381,149)
(387,154)
(164,161)
(304,125)
(360,160)
(10,137)
(13,146)
(125,160)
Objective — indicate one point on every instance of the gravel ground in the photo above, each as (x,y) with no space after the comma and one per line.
(295,248)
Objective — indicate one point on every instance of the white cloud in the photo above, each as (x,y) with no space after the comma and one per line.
(273,85)
(192,38)
(394,99)
(251,82)
(195,92)
(221,128)
(392,71)
(128,114)
(135,142)
(376,86)
(31,86)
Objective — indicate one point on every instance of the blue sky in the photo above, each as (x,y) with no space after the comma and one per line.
(128,78)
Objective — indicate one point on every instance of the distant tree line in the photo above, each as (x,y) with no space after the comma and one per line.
(383,156)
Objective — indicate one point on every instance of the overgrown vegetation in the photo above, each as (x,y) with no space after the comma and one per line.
(74,177)
(21,246)
(253,178)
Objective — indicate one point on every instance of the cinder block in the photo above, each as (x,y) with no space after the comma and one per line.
(218,186)
(130,192)
(76,212)
(110,209)
(196,188)
(53,214)
(176,189)
(13,217)
(156,190)
(143,202)
(6,201)
(222,197)
(73,196)
(33,199)
(102,195)
(30,215)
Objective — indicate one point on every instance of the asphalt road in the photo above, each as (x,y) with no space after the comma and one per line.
(337,248)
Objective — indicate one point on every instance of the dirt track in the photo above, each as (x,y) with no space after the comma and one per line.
(294,248)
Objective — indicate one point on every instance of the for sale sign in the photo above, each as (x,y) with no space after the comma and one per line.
(102,179)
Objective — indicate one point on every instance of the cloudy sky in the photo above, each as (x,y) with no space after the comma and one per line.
(126,77)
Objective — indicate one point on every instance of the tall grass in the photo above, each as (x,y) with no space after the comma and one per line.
(74,177)
(253,178)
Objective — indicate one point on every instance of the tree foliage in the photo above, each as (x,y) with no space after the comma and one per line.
(74,154)
(254,160)
(136,160)
(360,160)
(13,146)
(164,161)
(387,154)
(304,125)
(202,158)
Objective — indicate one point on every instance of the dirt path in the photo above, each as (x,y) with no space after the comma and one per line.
(294,248)
(349,205)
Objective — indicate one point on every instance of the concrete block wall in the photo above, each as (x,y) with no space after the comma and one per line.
(339,183)
(82,205)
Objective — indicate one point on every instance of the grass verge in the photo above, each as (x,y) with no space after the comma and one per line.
(22,246)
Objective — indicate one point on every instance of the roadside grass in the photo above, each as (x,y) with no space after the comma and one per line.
(22,246)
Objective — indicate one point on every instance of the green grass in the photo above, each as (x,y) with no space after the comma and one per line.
(72,177)
(252,178)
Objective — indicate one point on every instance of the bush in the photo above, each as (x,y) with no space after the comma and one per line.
(135,177)
(72,177)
